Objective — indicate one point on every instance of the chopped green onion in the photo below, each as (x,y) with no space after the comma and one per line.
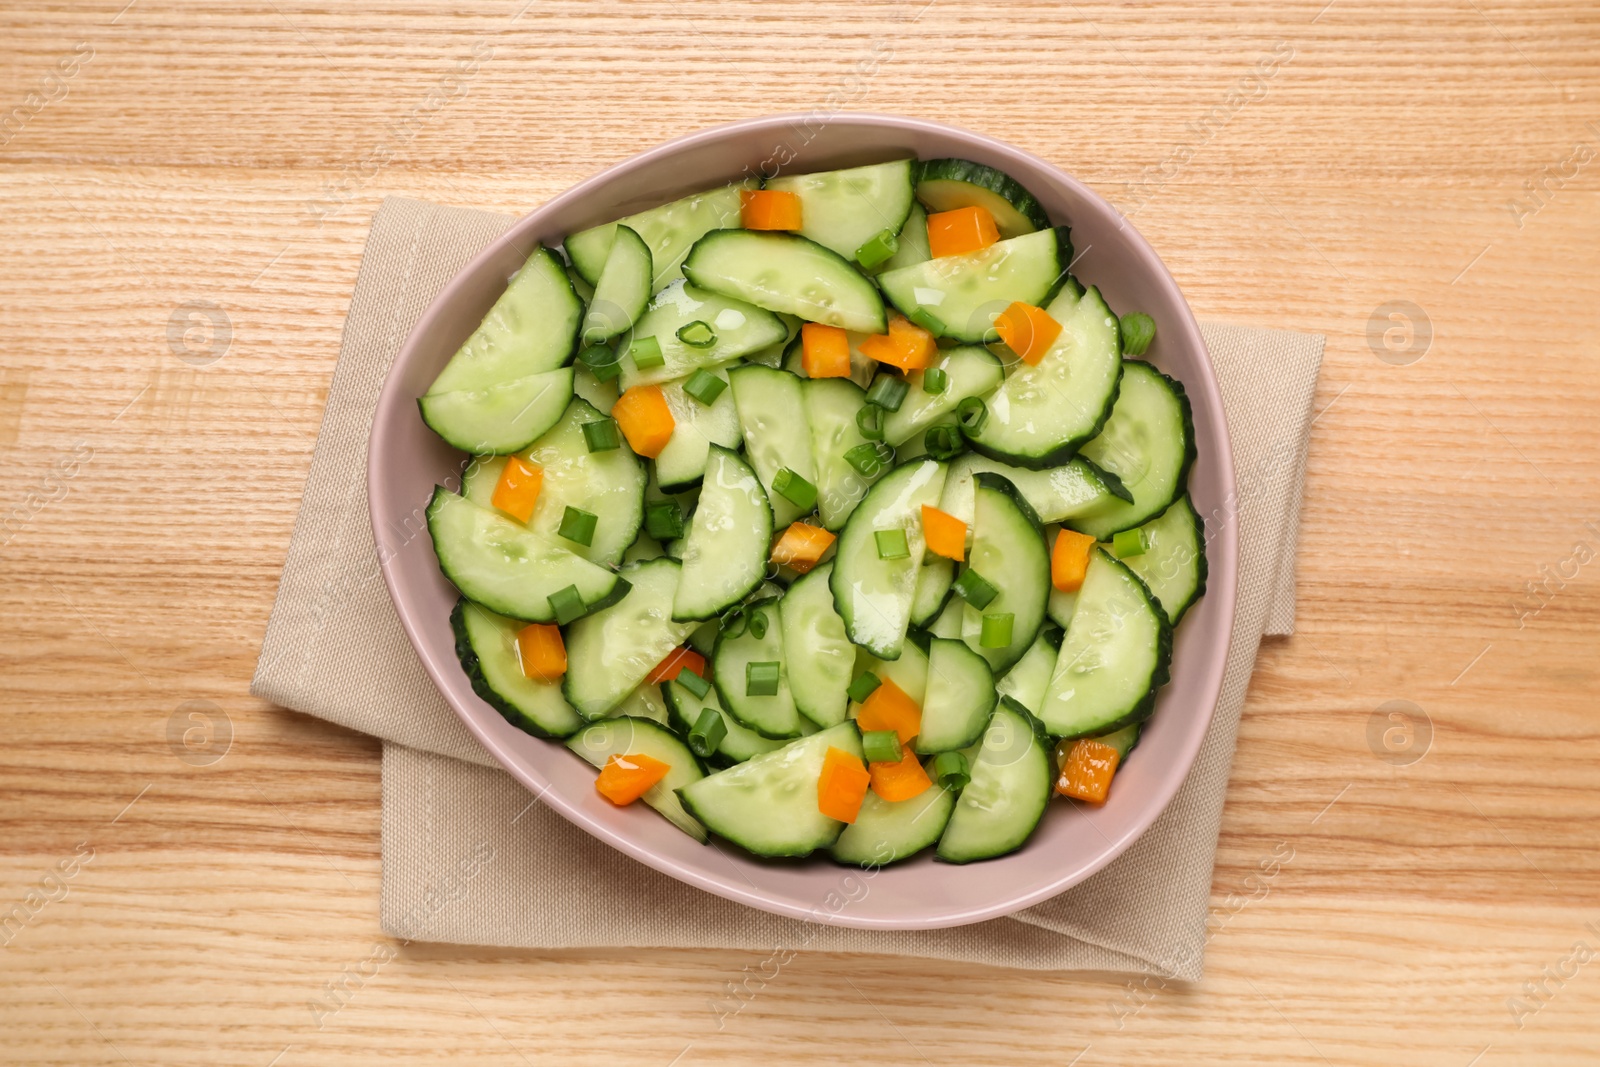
(697,334)
(935,380)
(693,683)
(567,605)
(704,387)
(868,459)
(601,435)
(646,353)
(863,687)
(869,420)
(1138,330)
(758,624)
(663,520)
(974,589)
(880,248)
(1130,543)
(927,320)
(603,361)
(950,770)
(996,630)
(578,526)
(881,746)
(973,413)
(795,489)
(734,625)
(892,544)
(888,392)
(707,733)
(761,679)
(943,442)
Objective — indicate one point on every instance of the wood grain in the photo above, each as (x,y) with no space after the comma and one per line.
(232,154)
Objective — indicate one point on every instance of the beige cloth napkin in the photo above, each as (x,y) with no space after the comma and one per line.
(468,854)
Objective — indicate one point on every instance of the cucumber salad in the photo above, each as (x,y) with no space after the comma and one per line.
(828,512)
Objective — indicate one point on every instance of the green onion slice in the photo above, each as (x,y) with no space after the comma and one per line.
(881,746)
(973,413)
(663,520)
(697,334)
(950,770)
(975,589)
(1133,542)
(888,392)
(646,353)
(758,624)
(578,526)
(869,459)
(935,380)
(602,435)
(704,387)
(693,683)
(863,687)
(943,442)
(892,544)
(869,420)
(1138,330)
(996,630)
(707,733)
(795,489)
(879,249)
(567,605)
(761,679)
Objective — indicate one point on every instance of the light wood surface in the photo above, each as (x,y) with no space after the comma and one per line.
(233,153)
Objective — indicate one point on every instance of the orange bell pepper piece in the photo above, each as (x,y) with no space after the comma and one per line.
(889,708)
(824,351)
(1088,770)
(670,667)
(517,491)
(1069,560)
(945,534)
(625,779)
(906,346)
(966,229)
(801,546)
(842,785)
(645,419)
(1027,330)
(543,653)
(769,209)
(900,781)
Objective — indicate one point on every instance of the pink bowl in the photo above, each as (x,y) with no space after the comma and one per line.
(406,460)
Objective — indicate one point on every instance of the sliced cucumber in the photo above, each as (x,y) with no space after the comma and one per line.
(1114,657)
(913,244)
(768,804)
(603,395)
(844,209)
(787,273)
(486,644)
(1061,606)
(682,464)
(507,567)
(737,745)
(500,418)
(772,419)
(1148,443)
(886,832)
(1124,740)
(815,645)
(959,296)
(1008,550)
(1173,568)
(623,291)
(610,652)
(773,355)
(1044,413)
(725,555)
(645,702)
(933,589)
(626,736)
(948,622)
(773,715)
(670,230)
(872,594)
(960,697)
(830,407)
(970,370)
(1010,787)
(531,329)
(948,184)
(738,328)
(1053,494)
(1029,677)
(909,672)
(608,485)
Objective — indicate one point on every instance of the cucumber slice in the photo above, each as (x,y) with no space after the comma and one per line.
(815,644)
(580,286)
(909,672)
(933,589)
(773,355)
(844,209)
(1173,568)
(788,273)
(739,328)
(596,743)
(959,296)
(1124,740)
(886,832)
(873,595)
(1148,443)
(531,329)
(1044,413)
(682,464)
(610,652)
(725,554)
(947,184)
(486,644)
(603,395)
(737,745)
(609,485)
(772,418)
(1008,550)
(645,702)
(768,804)
(971,370)
(960,698)
(1054,494)
(830,405)
(670,230)
(1011,779)
(623,290)
(1115,655)
(948,622)
(1061,607)
(500,418)
(913,244)
(507,567)
(1029,677)
(769,716)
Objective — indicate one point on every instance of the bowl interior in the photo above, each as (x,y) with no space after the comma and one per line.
(407,460)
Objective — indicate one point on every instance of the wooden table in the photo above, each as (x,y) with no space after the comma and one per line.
(185,190)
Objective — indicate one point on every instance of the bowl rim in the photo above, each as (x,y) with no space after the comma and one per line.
(1204,392)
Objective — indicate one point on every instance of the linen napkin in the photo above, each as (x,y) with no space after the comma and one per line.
(470,856)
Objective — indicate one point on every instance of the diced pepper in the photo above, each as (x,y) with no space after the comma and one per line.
(517,491)
(842,786)
(1027,330)
(1088,770)
(889,708)
(966,229)
(945,534)
(901,780)
(625,779)
(1069,560)
(906,345)
(645,418)
(678,659)
(824,351)
(543,653)
(769,209)
(801,546)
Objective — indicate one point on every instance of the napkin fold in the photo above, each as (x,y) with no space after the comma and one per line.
(470,856)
